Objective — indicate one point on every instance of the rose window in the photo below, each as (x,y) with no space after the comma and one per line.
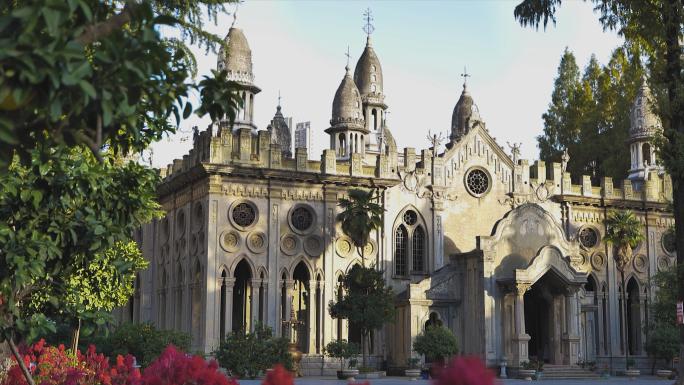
(244,214)
(302,218)
(588,237)
(477,182)
(410,217)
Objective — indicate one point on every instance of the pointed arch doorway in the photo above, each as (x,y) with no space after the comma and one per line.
(544,318)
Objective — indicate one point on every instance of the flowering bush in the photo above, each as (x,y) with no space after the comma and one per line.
(465,371)
(278,376)
(5,365)
(174,367)
(50,365)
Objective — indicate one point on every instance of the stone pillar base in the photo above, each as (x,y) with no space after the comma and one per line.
(520,349)
(571,344)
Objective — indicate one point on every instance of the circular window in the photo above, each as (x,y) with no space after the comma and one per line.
(588,237)
(302,218)
(477,182)
(410,217)
(669,241)
(243,215)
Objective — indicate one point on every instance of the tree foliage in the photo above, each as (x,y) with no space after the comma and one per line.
(589,114)
(99,72)
(661,339)
(623,230)
(367,302)
(436,343)
(360,215)
(342,350)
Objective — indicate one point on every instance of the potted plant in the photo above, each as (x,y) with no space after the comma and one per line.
(663,340)
(436,343)
(527,370)
(343,350)
(413,371)
(539,364)
(630,371)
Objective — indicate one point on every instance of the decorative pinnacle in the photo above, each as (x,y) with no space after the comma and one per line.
(465,76)
(368,28)
(279,97)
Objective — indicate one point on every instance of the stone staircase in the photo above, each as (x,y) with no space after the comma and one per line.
(567,372)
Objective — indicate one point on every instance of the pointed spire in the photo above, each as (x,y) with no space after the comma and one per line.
(235,15)
(465,76)
(348,55)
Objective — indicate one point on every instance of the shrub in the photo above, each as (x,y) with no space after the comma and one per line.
(663,343)
(174,367)
(247,355)
(143,341)
(341,349)
(413,362)
(5,365)
(52,365)
(436,343)
(465,371)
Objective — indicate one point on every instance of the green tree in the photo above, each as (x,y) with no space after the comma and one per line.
(367,302)
(436,343)
(588,115)
(360,215)
(656,27)
(105,73)
(341,349)
(661,340)
(82,83)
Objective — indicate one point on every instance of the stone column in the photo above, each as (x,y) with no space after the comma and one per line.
(254,303)
(520,339)
(643,310)
(230,283)
(264,306)
(572,338)
(313,333)
(289,286)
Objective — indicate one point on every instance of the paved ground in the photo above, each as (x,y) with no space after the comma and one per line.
(643,380)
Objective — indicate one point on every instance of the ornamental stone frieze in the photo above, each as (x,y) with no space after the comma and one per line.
(245,190)
(536,193)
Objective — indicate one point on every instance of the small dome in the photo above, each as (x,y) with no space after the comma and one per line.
(237,59)
(281,133)
(643,121)
(465,115)
(368,73)
(346,108)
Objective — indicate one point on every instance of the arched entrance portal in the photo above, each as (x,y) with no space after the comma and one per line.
(544,307)
(301,305)
(242,294)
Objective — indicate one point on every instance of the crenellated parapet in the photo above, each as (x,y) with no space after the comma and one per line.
(220,146)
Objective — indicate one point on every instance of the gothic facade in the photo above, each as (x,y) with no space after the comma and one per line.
(507,254)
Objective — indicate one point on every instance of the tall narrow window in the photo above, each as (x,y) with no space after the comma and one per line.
(400,251)
(418,250)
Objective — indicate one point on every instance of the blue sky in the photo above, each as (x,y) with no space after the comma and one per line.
(298,48)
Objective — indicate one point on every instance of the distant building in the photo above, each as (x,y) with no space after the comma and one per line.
(303,137)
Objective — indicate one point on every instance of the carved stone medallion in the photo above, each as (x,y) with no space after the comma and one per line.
(598,261)
(640,263)
(313,245)
(343,246)
(663,263)
(289,244)
(256,242)
(230,241)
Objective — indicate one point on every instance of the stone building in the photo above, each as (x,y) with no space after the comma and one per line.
(508,255)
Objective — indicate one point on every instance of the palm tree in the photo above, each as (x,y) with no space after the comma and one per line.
(623,231)
(359,217)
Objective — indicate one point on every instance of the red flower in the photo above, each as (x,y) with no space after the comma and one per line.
(465,371)
(174,367)
(278,376)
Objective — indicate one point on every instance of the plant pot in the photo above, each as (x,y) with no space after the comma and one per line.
(412,374)
(632,373)
(526,374)
(347,374)
(663,373)
(365,375)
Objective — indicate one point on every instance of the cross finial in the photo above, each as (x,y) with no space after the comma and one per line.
(235,15)
(348,55)
(279,98)
(465,76)
(368,28)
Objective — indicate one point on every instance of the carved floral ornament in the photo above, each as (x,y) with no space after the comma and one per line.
(230,241)
(257,242)
(289,244)
(536,193)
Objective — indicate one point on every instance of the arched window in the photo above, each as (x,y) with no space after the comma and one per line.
(410,245)
(646,154)
(340,296)
(400,251)
(418,249)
